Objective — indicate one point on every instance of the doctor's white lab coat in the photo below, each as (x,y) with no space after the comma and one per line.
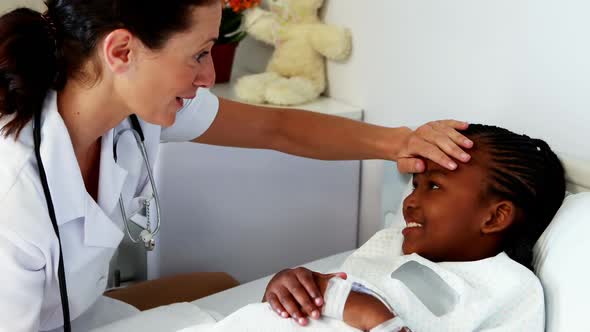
(90,231)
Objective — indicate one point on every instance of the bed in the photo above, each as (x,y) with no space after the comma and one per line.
(556,257)
(556,290)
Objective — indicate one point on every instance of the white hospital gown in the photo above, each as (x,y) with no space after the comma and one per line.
(493,295)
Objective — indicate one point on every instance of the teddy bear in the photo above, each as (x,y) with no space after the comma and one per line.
(296,72)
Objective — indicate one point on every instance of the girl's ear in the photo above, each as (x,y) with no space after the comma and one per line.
(502,215)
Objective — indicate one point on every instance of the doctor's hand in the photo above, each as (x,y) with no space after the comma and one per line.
(437,141)
(298,293)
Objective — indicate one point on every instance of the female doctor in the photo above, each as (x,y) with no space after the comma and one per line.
(69,81)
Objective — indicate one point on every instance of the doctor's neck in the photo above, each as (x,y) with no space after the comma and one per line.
(89,113)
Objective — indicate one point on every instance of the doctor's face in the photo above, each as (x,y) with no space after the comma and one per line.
(443,214)
(162,78)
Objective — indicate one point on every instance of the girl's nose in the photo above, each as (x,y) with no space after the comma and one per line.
(410,203)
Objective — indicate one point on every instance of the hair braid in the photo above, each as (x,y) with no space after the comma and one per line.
(527,172)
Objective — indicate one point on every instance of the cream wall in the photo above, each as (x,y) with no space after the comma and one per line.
(521,64)
(6,5)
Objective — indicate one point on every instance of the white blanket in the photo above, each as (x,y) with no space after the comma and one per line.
(259,317)
(494,294)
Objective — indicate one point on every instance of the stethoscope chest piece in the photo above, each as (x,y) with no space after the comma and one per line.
(148,239)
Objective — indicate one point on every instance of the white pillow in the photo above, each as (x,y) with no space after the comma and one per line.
(561,262)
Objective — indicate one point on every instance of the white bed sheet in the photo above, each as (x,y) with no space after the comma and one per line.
(232,299)
(181,315)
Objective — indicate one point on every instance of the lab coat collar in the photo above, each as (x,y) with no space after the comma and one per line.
(112,176)
(66,185)
(68,192)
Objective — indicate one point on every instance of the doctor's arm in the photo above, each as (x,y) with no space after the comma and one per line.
(321,136)
(21,284)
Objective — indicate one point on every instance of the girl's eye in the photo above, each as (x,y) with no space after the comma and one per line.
(433,186)
(201,56)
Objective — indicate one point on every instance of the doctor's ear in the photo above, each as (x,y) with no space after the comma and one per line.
(118,48)
(501,215)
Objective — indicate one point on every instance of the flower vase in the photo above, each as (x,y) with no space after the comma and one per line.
(223,59)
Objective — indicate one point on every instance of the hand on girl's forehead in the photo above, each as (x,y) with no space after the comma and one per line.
(478,157)
(434,169)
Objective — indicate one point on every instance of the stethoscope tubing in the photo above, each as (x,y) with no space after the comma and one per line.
(61,276)
(141,147)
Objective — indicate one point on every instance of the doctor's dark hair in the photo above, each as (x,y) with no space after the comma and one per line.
(39,52)
(526,172)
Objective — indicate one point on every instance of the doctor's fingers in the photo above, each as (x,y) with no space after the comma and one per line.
(410,165)
(445,136)
(449,128)
(423,148)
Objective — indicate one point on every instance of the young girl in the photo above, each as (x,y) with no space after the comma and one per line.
(461,263)
(467,245)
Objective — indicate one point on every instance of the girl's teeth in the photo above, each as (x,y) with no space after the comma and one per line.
(413,224)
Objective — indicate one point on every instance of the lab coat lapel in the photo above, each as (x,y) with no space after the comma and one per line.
(112,176)
(64,178)
(99,229)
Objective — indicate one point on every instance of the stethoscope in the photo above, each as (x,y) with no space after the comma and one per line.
(146,235)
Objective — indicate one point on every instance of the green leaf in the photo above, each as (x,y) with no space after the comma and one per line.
(230,22)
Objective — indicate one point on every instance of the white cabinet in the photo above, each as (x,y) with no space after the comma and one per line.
(253,212)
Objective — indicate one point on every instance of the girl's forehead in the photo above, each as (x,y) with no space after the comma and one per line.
(478,164)
(471,171)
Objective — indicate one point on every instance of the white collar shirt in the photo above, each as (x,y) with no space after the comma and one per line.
(90,230)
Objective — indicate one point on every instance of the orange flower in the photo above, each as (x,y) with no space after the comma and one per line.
(240,5)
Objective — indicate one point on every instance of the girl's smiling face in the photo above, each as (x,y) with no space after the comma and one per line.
(445,212)
(501,200)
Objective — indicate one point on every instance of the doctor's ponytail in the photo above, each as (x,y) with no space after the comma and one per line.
(28,66)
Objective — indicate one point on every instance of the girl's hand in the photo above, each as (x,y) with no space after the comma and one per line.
(437,141)
(298,293)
